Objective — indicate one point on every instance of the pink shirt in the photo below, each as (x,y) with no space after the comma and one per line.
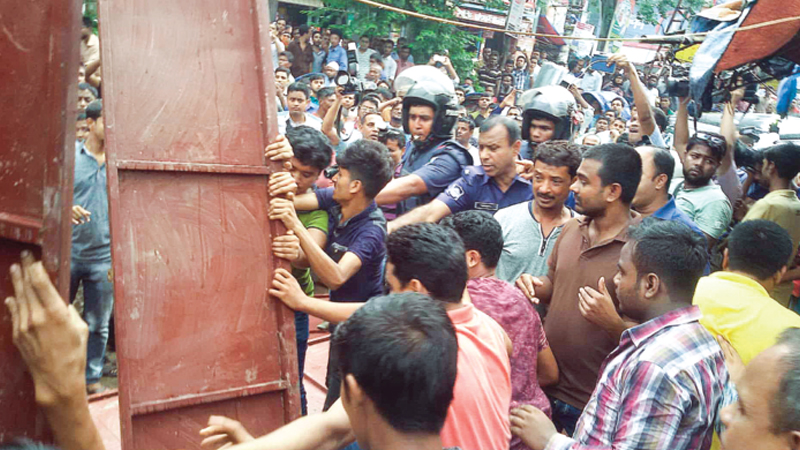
(478,416)
(505,304)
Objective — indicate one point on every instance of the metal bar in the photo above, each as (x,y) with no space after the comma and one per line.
(207,397)
(128,164)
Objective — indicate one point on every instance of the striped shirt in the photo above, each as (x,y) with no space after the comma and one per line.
(660,389)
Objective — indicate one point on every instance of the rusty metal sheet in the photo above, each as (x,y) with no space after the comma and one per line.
(189,108)
(39,47)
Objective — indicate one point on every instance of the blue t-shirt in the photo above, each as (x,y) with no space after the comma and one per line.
(670,211)
(364,235)
(339,55)
(476,190)
(91,241)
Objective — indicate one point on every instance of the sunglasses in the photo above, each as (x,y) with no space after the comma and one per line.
(331,171)
(710,139)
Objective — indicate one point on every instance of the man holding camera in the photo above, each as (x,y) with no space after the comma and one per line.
(434,159)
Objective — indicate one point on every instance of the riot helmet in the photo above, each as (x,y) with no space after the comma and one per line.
(553,103)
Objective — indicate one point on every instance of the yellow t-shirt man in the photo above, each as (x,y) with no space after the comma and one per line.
(782,207)
(741,310)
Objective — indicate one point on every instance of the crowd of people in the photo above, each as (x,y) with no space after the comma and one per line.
(509,266)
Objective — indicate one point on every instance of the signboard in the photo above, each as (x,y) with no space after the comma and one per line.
(583,30)
(622,17)
(516,9)
(480,17)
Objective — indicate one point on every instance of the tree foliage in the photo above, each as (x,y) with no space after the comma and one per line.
(425,37)
(652,11)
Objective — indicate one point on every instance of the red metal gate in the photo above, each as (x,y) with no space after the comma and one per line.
(189,103)
(39,45)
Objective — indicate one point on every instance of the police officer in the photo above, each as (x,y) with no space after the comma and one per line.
(433,159)
(488,187)
(547,117)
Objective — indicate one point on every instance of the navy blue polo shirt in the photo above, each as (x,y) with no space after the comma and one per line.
(91,241)
(476,190)
(364,235)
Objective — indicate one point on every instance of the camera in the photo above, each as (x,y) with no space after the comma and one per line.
(349,83)
(331,171)
(678,81)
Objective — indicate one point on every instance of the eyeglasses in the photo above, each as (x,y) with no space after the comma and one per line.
(331,171)
(711,139)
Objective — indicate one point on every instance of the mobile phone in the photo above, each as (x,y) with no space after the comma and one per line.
(438,58)
(600,64)
(564,84)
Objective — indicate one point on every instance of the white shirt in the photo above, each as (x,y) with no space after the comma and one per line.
(389,68)
(592,81)
(311,121)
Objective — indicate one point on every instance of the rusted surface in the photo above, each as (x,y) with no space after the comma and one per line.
(189,108)
(39,44)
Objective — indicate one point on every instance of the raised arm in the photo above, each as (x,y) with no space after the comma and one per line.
(329,121)
(647,124)
(682,128)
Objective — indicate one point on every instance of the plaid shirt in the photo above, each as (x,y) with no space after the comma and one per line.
(660,389)
(521,79)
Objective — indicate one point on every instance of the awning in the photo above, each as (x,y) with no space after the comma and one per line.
(545,27)
(309,3)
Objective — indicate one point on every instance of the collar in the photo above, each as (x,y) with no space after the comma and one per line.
(622,236)
(486,179)
(461,315)
(667,211)
(363,215)
(750,283)
(640,333)
(783,193)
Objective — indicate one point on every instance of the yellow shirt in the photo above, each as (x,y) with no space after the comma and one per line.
(782,207)
(740,309)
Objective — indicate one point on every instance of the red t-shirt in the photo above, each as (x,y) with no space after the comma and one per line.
(478,416)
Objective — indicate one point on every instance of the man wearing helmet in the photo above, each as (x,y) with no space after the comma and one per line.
(433,158)
(547,117)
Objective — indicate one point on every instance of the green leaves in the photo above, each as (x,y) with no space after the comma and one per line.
(425,37)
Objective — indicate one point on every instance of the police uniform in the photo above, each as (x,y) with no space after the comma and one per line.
(476,190)
(438,166)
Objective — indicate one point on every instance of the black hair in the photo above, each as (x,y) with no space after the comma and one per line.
(371,98)
(432,254)
(602,117)
(370,163)
(468,121)
(284,70)
(560,154)
(572,64)
(404,47)
(289,56)
(620,164)
(88,87)
(81,116)
(671,250)
(303,29)
(310,146)
(402,350)
(511,126)
(460,88)
(664,163)
(336,32)
(299,86)
(94,109)
(393,134)
(660,118)
(316,76)
(480,232)
(760,248)
(784,405)
(325,92)
(87,22)
(786,157)
(365,36)
(717,151)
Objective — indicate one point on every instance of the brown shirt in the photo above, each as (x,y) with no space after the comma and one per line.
(580,347)
(303,59)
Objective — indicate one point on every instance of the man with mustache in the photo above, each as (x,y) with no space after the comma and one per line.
(530,229)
